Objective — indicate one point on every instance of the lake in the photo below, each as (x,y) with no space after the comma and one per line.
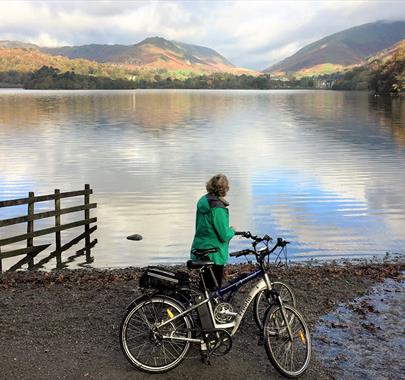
(322,169)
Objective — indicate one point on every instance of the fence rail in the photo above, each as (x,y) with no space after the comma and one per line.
(31,250)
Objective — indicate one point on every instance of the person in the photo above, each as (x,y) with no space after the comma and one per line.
(212,228)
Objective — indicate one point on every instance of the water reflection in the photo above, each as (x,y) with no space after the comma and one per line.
(324,169)
(149,110)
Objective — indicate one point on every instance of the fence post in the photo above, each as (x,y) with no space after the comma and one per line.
(86,226)
(57,233)
(30,226)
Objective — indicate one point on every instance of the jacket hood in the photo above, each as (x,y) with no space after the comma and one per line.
(203,205)
(209,201)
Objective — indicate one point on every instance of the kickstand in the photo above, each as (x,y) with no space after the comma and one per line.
(206,359)
(205,354)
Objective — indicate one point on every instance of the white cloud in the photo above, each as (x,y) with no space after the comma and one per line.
(44,39)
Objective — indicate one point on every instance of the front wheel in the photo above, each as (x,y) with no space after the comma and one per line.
(142,341)
(263,301)
(287,340)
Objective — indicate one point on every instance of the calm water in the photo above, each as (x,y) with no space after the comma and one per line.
(325,170)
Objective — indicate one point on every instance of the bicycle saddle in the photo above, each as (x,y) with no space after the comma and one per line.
(201,252)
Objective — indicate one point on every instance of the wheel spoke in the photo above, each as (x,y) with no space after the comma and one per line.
(132,337)
(143,345)
(290,357)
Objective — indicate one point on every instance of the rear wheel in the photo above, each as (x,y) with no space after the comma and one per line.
(263,300)
(143,343)
(290,355)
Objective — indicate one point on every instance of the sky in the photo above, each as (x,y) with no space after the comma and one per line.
(251,34)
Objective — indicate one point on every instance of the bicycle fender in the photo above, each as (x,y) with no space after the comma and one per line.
(139,299)
(144,297)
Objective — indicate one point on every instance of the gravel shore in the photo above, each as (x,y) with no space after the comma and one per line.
(65,324)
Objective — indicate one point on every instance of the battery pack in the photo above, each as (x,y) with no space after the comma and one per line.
(204,314)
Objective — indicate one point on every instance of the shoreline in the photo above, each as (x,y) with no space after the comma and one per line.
(132,272)
(69,321)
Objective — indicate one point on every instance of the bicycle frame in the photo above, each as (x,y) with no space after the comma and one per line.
(263,284)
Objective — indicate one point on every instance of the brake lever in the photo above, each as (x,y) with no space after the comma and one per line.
(267,238)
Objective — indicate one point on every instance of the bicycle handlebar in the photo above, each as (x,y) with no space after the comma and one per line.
(248,235)
(242,233)
(241,253)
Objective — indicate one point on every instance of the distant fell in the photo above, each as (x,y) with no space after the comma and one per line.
(341,50)
(153,52)
(17,45)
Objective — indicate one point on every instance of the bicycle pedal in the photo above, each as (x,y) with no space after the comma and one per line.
(260,341)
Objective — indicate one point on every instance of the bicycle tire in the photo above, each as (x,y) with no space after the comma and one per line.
(261,302)
(276,335)
(137,327)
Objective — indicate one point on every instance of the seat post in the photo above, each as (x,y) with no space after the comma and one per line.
(214,278)
(202,271)
(202,281)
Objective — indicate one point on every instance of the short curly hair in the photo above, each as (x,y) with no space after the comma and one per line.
(218,185)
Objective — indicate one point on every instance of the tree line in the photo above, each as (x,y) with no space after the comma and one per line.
(47,78)
(51,78)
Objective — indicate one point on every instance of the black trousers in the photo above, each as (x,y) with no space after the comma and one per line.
(218,271)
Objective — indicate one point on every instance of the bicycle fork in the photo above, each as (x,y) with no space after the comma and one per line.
(275,296)
(285,318)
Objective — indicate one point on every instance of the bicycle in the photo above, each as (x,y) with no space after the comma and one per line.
(263,299)
(157,331)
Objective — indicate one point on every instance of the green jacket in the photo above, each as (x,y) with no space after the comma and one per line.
(212,228)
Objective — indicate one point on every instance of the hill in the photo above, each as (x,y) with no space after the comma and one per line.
(23,60)
(341,50)
(31,68)
(383,73)
(388,53)
(154,52)
(17,44)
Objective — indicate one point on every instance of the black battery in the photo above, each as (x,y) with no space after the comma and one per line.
(204,314)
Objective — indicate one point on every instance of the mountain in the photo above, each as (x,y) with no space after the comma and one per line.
(154,52)
(341,50)
(32,68)
(17,44)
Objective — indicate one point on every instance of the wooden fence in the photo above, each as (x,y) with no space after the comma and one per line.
(30,251)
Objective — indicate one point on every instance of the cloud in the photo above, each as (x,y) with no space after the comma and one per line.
(252,34)
(44,39)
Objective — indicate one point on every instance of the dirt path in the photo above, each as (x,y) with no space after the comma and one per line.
(64,325)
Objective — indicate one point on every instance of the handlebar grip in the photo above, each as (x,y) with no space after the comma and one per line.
(240,253)
(245,234)
(282,243)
